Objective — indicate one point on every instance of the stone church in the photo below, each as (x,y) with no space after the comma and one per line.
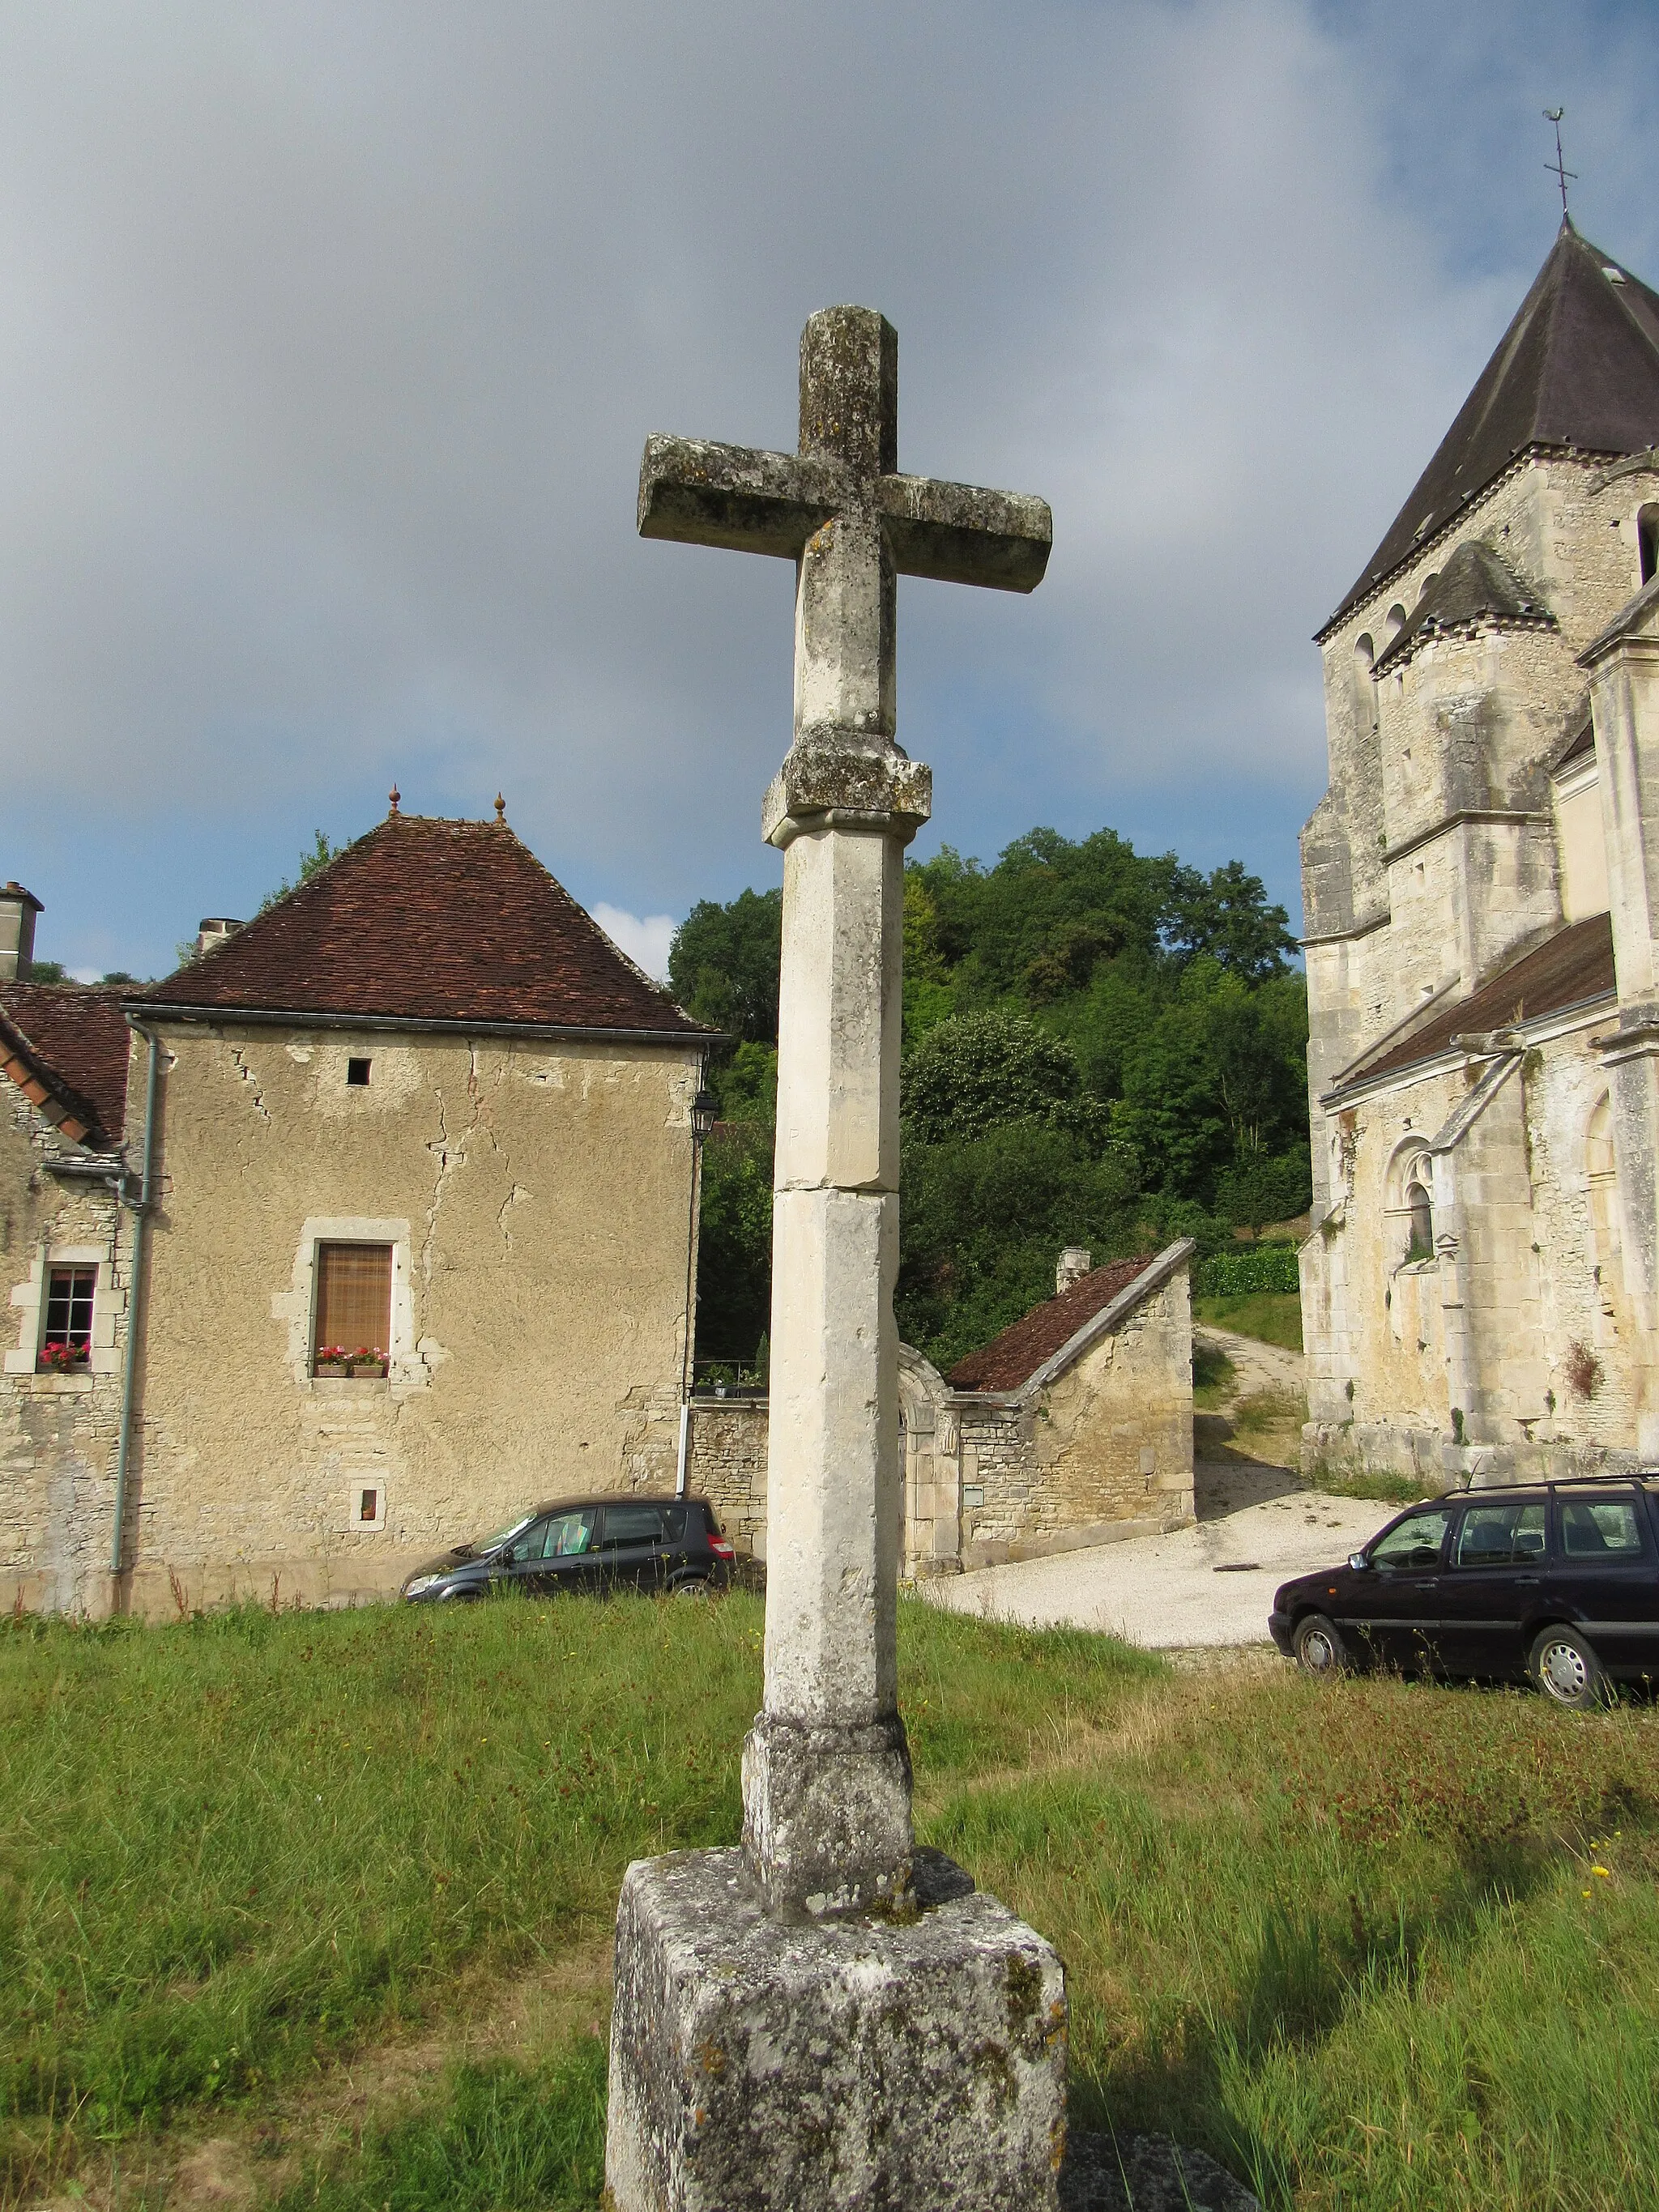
(365,1230)
(1481,1290)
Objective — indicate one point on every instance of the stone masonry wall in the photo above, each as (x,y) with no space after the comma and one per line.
(1104,1451)
(58,1432)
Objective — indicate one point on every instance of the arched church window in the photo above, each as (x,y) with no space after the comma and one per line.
(1647,543)
(1427,585)
(1419,1216)
(1396,623)
(1409,1205)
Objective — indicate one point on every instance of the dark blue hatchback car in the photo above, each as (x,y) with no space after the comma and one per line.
(1557,1582)
(595,1544)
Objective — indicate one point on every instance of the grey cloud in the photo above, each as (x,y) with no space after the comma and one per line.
(333,335)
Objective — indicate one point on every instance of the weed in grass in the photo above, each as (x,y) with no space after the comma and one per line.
(1361,1482)
(1263,1411)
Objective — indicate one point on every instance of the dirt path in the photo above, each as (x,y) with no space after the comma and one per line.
(1209,1588)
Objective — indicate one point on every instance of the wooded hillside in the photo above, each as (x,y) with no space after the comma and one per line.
(1102,1048)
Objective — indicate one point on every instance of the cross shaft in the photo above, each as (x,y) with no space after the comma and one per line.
(826,1768)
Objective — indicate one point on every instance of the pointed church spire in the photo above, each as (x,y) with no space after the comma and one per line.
(1577,370)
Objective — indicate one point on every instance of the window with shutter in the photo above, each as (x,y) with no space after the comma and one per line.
(354,1300)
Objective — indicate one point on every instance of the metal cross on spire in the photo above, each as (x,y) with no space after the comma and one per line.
(1558,167)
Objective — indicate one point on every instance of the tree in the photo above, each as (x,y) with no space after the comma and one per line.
(734,1243)
(982,1221)
(723,964)
(311,864)
(982,1072)
(1224,916)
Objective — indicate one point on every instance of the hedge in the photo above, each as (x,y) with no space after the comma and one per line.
(1259,1267)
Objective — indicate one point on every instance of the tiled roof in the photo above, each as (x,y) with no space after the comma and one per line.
(1577,367)
(424,920)
(1013,1358)
(1475,586)
(71,1046)
(1571,968)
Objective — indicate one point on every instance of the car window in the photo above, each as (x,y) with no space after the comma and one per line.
(1413,1543)
(513,1529)
(674,1523)
(632,1524)
(1600,1529)
(527,1545)
(1501,1535)
(568,1534)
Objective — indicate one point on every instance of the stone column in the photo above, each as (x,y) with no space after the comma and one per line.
(826,1770)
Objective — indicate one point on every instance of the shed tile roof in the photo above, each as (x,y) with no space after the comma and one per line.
(426,920)
(1011,1359)
(73,1042)
(1579,367)
(1476,585)
(1571,968)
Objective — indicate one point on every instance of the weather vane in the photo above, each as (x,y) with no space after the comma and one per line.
(1558,168)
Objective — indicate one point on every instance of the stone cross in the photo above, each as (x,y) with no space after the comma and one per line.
(826,1770)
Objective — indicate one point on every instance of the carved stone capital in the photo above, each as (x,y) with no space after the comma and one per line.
(835,782)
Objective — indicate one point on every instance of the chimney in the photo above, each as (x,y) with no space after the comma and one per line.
(1075,1263)
(212,931)
(18,908)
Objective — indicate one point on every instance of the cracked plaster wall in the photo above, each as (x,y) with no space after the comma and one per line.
(535,1197)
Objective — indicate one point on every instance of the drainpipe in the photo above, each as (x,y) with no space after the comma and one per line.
(140,1211)
(703,1112)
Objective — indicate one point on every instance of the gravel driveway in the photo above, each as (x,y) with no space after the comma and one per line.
(1207,1586)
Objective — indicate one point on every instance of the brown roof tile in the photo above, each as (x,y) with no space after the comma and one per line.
(425,920)
(1568,970)
(74,1042)
(1013,1358)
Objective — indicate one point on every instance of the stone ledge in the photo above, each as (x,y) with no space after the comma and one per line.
(758,2066)
(833,783)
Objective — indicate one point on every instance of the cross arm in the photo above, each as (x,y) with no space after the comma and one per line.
(702,493)
(963,535)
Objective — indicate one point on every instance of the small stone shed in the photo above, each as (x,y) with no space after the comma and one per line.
(1074,1426)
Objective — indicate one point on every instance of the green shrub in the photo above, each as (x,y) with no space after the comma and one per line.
(1258,1267)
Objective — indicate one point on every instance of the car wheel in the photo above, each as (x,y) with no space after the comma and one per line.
(693,1586)
(1318,1649)
(1568,1672)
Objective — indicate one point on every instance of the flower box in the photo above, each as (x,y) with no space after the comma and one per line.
(62,1359)
(370,1370)
(331,1370)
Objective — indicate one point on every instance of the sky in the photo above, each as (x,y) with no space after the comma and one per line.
(332,336)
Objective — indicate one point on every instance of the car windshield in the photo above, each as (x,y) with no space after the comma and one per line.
(501,1536)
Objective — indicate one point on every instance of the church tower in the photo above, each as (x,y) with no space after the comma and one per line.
(1478,1299)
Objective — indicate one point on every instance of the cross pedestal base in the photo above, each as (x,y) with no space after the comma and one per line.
(760,2065)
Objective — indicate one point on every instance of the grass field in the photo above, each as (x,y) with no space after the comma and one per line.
(312,1911)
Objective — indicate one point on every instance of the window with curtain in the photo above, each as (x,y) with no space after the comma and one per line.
(353,1299)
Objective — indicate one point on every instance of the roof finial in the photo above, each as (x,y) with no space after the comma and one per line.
(501,809)
(1558,168)
(394,795)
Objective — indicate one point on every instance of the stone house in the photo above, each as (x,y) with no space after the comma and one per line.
(1480,1292)
(421,1107)
(1074,1426)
